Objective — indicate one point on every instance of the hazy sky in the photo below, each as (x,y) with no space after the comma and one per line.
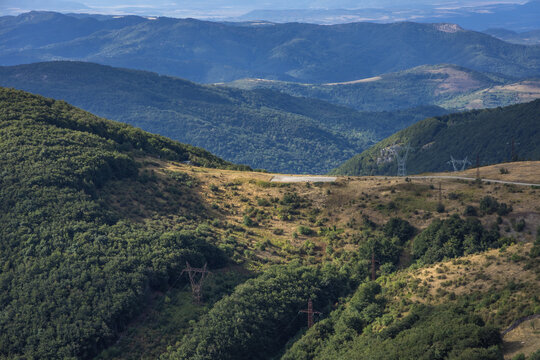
(182,8)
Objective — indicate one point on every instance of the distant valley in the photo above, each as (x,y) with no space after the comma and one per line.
(262,128)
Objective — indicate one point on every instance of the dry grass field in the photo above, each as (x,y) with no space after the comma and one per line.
(260,223)
(275,222)
(500,283)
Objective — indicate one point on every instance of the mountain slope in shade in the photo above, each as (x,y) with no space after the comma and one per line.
(77,259)
(263,128)
(213,52)
(486,133)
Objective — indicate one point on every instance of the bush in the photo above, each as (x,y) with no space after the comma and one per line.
(488,205)
(399,228)
(249,221)
(440,208)
(470,211)
(535,355)
(504,209)
(304,230)
(520,225)
(263,202)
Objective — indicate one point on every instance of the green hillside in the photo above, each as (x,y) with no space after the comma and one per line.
(75,266)
(98,218)
(427,84)
(263,128)
(487,134)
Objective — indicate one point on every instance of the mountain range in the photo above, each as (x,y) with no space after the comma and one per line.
(216,52)
(474,16)
(136,221)
(261,128)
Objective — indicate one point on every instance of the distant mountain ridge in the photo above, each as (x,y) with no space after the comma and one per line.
(216,52)
(531,37)
(428,84)
(473,16)
(262,128)
(487,134)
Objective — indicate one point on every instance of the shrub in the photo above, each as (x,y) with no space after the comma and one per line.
(263,202)
(400,228)
(440,208)
(470,211)
(504,209)
(520,225)
(304,230)
(248,221)
(488,205)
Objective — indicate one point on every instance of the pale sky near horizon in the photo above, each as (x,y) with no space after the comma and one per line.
(180,8)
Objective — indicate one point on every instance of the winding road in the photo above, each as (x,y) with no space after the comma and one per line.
(301,178)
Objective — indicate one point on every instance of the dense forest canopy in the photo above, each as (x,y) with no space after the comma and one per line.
(73,270)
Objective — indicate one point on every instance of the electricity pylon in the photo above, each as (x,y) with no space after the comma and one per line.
(402,161)
(459,165)
(196,278)
(309,311)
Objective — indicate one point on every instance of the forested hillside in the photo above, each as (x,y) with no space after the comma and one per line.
(99,218)
(263,128)
(490,134)
(74,269)
(205,51)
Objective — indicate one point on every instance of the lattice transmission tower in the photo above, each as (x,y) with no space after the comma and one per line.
(459,165)
(309,311)
(402,162)
(196,278)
